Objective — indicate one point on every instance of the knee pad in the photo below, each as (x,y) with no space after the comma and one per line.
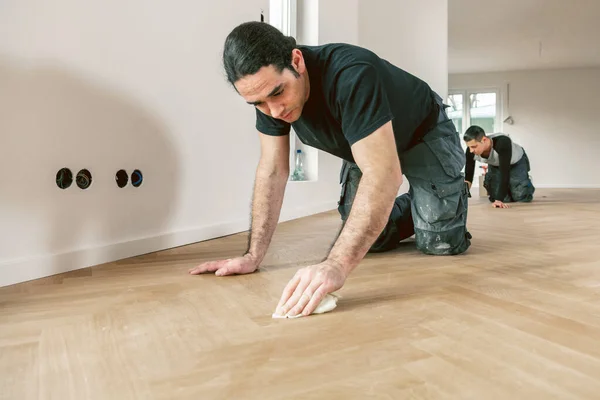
(453,242)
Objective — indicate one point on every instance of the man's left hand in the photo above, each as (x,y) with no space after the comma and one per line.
(309,286)
(499,204)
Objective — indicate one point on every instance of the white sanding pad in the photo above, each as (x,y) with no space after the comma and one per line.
(328,303)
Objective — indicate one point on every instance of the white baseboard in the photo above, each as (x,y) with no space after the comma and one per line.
(559,186)
(567,186)
(26,269)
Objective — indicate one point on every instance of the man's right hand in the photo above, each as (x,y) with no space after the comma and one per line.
(232,266)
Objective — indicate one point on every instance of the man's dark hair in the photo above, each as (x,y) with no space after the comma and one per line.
(253,45)
(474,133)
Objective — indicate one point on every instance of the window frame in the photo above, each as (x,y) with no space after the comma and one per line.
(501,112)
(283,15)
(466,92)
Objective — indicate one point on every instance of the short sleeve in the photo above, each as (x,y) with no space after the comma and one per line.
(362,102)
(271,126)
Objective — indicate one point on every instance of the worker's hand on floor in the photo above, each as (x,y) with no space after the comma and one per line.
(308,287)
(499,204)
(239,265)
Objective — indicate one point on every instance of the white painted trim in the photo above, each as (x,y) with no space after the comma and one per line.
(567,186)
(26,269)
(276,14)
(554,185)
(283,15)
(290,17)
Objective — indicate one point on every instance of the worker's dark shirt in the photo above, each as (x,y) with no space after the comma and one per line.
(353,92)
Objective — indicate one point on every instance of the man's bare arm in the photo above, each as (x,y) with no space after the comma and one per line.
(269,187)
(377,158)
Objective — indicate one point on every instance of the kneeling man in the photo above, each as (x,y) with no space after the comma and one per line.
(507,179)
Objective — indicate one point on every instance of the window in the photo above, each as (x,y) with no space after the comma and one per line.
(482,107)
(283,14)
(456,111)
(475,107)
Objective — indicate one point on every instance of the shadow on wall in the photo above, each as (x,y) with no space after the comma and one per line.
(51,118)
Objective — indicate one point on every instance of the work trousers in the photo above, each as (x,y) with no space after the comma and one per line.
(435,207)
(520,187)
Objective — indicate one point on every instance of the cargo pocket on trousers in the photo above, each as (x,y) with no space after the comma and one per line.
(437,202)
(449,153)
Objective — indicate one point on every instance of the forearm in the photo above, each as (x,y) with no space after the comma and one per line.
(504,149)
(369,215)
(504,178)
(269,189)
(504,184)
(469,167)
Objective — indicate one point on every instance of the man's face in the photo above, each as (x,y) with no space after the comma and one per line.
(477,147)
(280,95)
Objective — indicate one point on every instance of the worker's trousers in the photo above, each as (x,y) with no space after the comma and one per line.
(435,207)
(520,187)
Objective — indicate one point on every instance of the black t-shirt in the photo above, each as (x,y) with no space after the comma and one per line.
(353,92)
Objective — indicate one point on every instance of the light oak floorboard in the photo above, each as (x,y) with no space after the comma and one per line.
(517,317)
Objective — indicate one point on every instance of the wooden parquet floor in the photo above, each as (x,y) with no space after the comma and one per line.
(517,317)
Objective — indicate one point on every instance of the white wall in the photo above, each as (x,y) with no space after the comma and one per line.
(339,21)
(412,34)
(555,116)
(110,85)
(307,15)
(320,21)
